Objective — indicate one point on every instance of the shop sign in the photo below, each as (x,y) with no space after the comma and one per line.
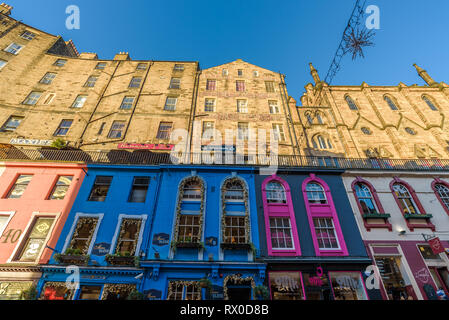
(423,275)
(211,241)
(286,283)
(161,239)
(222,148)
(317,281)
(348,282)
(141,146)
(101,249)
(31,142)
(436,245)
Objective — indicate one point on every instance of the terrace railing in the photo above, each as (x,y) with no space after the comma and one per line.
(151,158)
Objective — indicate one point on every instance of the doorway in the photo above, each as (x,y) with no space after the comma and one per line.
(239,293)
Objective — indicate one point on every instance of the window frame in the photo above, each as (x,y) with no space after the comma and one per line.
(135,83)
(91,81)
(280,210)
(10,215)
(170,107)
(57,132)
(278,128)
(430,102)
(78,216)
(162,135)
(391,103)
(101,66)
(438,181)
(327,210)
(55,186)
(376,200)
(206,105)
(273,105)
(125,102)
(77,102)
(11,187)
(60,63)
(416,202)
(3,63)
(242,108)
(351,103)
(240,86)
(173,83)
(28,98)
(28,35)
(4,126)
(138,240)
(115,131)
(134,184)
(89,199)
(16,52)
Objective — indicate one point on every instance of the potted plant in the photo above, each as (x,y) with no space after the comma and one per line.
(136,295)
(122,259)
(29,294)
(261,292)
(205,283)
(72,257)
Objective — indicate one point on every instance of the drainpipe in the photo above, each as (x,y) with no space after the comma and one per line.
(80,139)
(193,111)
(132,113)
(287,116)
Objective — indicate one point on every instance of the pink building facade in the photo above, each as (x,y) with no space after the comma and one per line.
(35,200)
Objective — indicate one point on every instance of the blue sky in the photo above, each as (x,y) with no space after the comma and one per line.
(283,35)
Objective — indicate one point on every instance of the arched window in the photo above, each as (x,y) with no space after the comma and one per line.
(280,222)
(410,206)
(192,191)
(319,142)
(235,218)
(441,190)
(324,224)
(309,118)
(430,103)
(351,103)
(315,193)
(366,199)
(275,193)
(407,204)
(234,191)
(390,103)
(189,217)
(319,117)
(370,207)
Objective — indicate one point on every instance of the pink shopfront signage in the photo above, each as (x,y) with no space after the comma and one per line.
(140,146)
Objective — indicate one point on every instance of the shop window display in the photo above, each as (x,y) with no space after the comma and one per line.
(286,286)
(348,286)
(316,286)
(396,282)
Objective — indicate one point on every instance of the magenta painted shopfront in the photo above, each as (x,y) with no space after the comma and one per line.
(409,270)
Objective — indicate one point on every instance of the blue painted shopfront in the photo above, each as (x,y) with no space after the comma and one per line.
(223,199)
(159,230)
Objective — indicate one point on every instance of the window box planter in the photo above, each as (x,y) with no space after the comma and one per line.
(71,259)
(189,245)
(122,260)
(418,216)
(376,216)
(236,246)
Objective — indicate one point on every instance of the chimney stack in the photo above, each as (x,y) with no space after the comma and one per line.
(5,9)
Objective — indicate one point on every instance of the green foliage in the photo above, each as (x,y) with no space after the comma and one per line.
(136,295)
(205,283)
(29,294)
(261,292)
(59,144)
(73,252)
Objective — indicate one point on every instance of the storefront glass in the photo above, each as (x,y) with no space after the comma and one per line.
(395,280)
(286,286)
(317,286)
(348,286)
(13,290)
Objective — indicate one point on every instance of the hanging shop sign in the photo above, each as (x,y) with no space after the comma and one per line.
(161,239)
(31,142)
(140,146)
(101,249)
(436,245)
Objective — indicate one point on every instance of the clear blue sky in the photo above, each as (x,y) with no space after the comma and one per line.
(282,35)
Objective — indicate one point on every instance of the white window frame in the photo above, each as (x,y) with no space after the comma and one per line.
(76,101)
(142,217)
(206,105)
(24,236)
(279,134)
(75,223)
(15,52)
(170,105)
(32,35)
(52,95)
(4,63)
(10,214)
(321,228)
(291,233)
(242,106)
(274,107)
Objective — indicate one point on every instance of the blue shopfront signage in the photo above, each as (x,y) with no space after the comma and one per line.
(101,249)
(161,239)
(211,241)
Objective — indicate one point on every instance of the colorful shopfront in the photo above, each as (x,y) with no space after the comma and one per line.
(36,199)
(309,238)
(105,236)
(205,234)
(401,215)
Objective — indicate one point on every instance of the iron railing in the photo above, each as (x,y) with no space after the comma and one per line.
(150,158)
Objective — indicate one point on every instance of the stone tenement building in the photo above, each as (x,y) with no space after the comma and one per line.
(400,122)
(49,91)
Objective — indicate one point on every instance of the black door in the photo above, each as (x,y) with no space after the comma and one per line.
(239,293)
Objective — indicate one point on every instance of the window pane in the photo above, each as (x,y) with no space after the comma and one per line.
(348,286)
(116,130)
(315,193)
(164,130)
(90,293)
(286,286)
(443,193)
(275,193)
(82,236)
(32,98)
(100,189)
(281,233)
(127,103)
(325,233)
(170,104)
(128,237)
(139,190)
(61,188)
(63,128)
(19,187)
(36,239)
(12,123)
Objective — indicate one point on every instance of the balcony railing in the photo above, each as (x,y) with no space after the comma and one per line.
(151,158)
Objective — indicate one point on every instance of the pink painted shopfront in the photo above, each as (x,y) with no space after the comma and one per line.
(35,200)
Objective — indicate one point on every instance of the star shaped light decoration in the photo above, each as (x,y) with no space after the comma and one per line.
(356,40)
